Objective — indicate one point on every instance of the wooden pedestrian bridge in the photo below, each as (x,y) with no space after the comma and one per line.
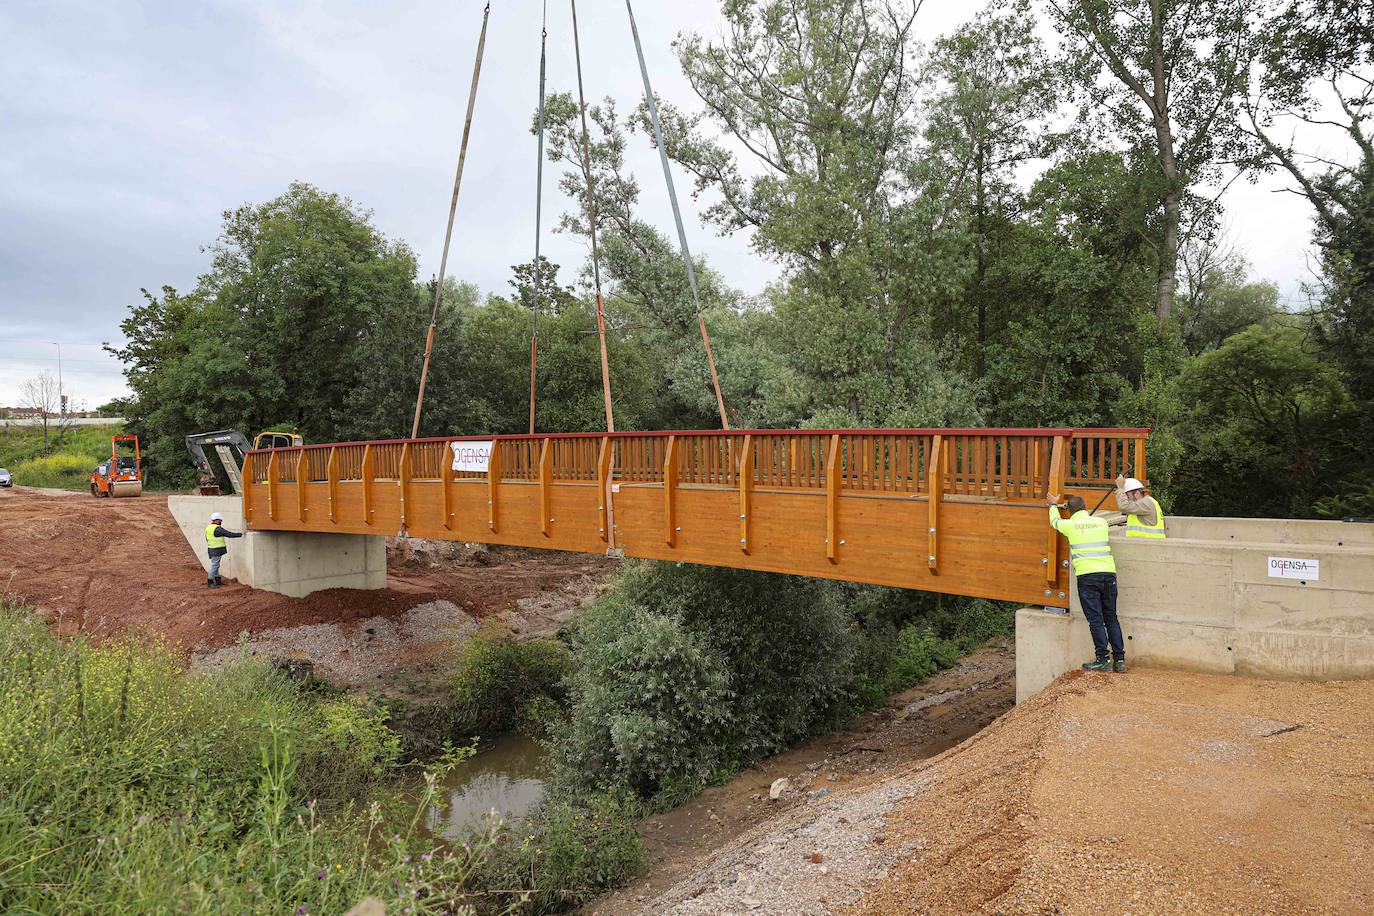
(960,511)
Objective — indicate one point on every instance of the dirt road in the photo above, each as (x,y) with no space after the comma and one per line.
(109,565)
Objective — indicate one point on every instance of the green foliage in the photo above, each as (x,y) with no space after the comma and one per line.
(74,452)
(1260,411)
(568,852)
(917,655)
(498,684)
(131,786)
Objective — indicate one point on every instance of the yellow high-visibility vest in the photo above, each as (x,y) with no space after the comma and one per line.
(1088,546)
(1135,528)
(211,541)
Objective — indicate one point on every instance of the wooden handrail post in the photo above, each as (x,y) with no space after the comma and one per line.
(446,478)
(332,473)
(366,474)
(1139,470)
(935,483)
(546,487)
(603,489)
(1056,486)
(493,482)
(272,487)
(302,472)
(403,474)
(670,492)
(832,499)
(746,487)
(248,489)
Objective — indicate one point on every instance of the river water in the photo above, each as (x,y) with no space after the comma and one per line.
(506,777)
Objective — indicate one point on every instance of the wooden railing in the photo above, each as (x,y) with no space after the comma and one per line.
(797,500)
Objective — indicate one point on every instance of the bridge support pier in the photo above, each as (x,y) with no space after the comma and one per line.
(1227,596)
(290,563)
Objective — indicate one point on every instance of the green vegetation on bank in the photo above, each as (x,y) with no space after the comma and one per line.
(133,787)
(678,678)
(72,453)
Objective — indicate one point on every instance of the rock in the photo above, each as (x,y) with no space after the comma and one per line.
(750,903)
(779,786)
(819,793)
(816,858)
(368,906)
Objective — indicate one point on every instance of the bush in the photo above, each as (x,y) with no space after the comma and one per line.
(498,685)
(131,786)
(568,853)
(917,655)
(59,470)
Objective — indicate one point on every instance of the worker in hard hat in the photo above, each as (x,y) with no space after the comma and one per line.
(1144,517)
(215,533)
(1095,570)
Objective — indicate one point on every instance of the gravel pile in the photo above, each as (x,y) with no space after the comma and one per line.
(813,860)
(354,654)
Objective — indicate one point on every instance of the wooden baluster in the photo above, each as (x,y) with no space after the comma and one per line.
(366,472)
(272,486)
(1138,472)
(670,492)
(832,499)
(546,488)
(746,487)
(493,482)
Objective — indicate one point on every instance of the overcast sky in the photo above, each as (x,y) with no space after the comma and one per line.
(126,129)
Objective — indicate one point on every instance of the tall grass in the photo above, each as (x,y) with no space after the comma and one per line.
(72,454)
(129,786)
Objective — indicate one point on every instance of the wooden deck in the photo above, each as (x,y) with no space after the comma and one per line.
(959,511)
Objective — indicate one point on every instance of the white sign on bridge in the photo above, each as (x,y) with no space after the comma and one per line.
(1293,568)
(471,455)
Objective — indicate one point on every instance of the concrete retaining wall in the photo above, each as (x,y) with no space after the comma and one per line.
(1207,602)
(289,563)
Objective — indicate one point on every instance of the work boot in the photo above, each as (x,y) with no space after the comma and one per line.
(1119,666)
(1100,664)
(210,582)
(219,580)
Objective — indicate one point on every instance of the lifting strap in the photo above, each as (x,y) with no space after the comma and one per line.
(452,209)
(538,208)
(591,227)
(677,214)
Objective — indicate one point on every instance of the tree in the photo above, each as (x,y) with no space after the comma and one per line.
(1262,426)
(997,90)
(1176,72)
(41,393)
(1217,300)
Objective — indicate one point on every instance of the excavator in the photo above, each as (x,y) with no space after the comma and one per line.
(225,442)
(122,475)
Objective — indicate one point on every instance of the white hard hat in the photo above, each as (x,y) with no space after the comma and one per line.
(216,517)
(1133,484)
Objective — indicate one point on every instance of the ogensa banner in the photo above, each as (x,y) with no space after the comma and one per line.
(471,455)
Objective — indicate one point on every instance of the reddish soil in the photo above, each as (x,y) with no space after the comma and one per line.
(113,565)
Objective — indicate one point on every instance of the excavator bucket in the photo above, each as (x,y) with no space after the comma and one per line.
(126,488)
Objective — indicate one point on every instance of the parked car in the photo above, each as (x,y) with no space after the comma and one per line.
(5,479)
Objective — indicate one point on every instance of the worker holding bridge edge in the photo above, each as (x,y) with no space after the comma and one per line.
(1144,517)
(215,533)
(1093,567)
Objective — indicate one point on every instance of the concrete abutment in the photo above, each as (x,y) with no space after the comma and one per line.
(1211,598)
(287,562)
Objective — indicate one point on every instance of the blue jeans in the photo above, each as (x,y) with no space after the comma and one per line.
(214,565)
(1097,594)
